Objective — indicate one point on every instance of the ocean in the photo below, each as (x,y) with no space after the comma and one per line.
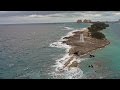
(27,52)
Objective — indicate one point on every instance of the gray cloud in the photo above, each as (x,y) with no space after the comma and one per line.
(55,16)
(21,13)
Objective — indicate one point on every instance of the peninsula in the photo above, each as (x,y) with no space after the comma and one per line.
(84,42)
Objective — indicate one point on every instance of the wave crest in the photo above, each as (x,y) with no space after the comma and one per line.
(73,73)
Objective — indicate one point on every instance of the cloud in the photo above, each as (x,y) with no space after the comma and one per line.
(36,16)
(55,16)
(118,13)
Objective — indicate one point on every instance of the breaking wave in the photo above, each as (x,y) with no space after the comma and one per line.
(73,73)
(68,28)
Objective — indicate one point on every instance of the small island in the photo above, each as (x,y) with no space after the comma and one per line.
(84,42)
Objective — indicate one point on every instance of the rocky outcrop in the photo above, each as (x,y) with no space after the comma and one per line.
(80,49)
(74,64)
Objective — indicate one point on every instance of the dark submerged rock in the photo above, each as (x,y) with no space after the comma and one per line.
(91,56)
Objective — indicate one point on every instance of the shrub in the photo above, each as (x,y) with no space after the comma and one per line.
(95,29)
(97,35)
(98,26)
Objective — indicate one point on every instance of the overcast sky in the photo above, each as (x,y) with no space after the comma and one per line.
(14,17)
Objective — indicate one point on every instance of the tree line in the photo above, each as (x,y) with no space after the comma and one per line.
(96,28)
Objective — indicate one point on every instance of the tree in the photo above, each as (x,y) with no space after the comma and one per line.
(98,26)
(95,29)
(97,35)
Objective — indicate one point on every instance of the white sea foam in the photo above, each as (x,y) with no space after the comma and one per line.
(59,44)
(67,28)
(73,73)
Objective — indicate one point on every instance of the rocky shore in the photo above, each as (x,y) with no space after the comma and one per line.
(80,49)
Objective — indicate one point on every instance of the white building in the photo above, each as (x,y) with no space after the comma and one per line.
(82,37)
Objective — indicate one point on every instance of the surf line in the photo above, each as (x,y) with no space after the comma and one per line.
(67,62)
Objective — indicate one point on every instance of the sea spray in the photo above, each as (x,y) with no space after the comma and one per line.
(67,74)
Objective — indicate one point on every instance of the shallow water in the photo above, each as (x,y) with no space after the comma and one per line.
(25,52)
(108,57)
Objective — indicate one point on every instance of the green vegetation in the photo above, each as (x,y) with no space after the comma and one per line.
(95,29)
(98,35)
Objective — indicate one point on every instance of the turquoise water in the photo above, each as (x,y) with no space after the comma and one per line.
(25,51)
(108,57)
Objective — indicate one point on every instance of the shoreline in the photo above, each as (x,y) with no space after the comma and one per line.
(95,49)
(82,49)
(71,45)
(89,45)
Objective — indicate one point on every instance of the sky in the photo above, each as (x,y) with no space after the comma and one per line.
(17,17)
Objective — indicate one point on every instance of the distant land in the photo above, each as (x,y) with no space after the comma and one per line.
(78,21)
(90,21)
